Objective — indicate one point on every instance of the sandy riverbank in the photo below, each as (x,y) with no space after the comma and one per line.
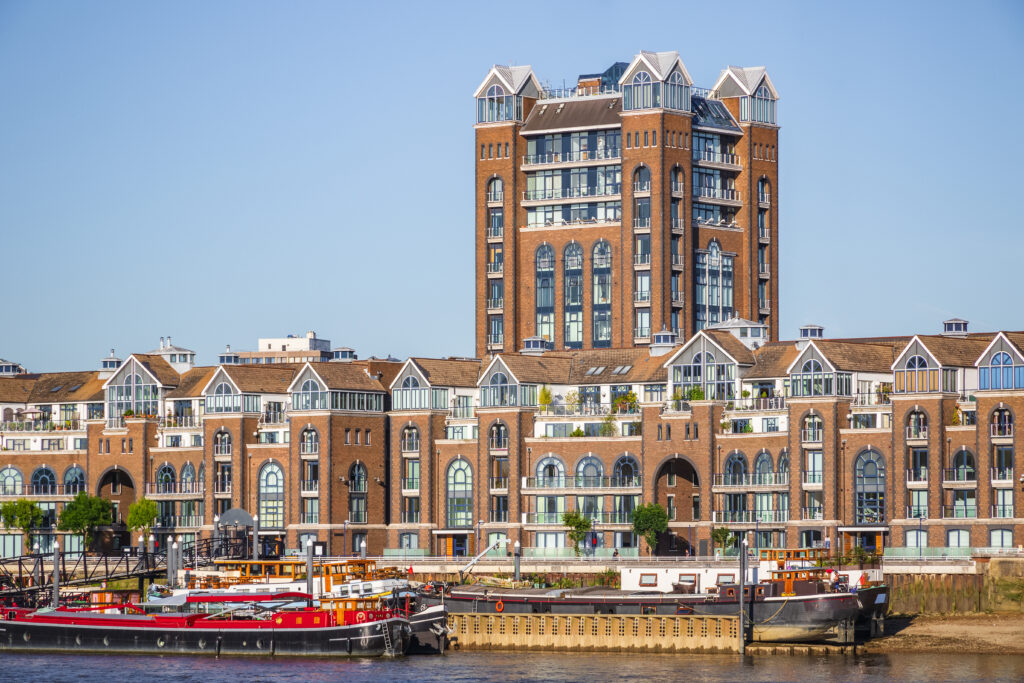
(973,633)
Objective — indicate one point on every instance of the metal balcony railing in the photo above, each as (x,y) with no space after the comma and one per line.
(309,518)
(175,488)
(642,223)
(574,155)
(716,157)
(678,225)
(641,332)
(495,339)
(9,490)
(764,233)
(916,432)
(812,435)
(642,186)
(1001,474)
(179,521)
(813,477)
(410,483)
(498,516)
(764,197)
(959,511)
(410,517)
(307,448)
(495,303)
(813,513)
(999,430)
(756,404)
(357,485)
(274,417)
(181,422)
(952,475)
(642,297)
(496,196)
(47,425)
(750,516)
(496,268)
(495,231)
(410,445)
(641,259)
(222,449)
(580,482)
(917,512)
(540,194)
(1001,511)
(222,487)
(764,268)
(498,483)
(744,480)
(677,297)
(357,516)
(723,193)
(309,486)
(498,444)
(462,412)
(917,476)
(871,399)
(587,409)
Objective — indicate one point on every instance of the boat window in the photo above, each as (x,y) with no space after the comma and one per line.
(648,579)
(726,578)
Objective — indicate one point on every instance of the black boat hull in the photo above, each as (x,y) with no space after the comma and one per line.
(429,630)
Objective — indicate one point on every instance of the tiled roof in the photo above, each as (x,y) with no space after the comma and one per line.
(772,359)
(160,368)
(851,356)
(1017,339)
(733,346)
(575,367)
(263,379)
(957,352)
(66,387)
(16,389)
(585,112)
(350,376)
(388,369)
(192,382)
(550,368)
(448,372)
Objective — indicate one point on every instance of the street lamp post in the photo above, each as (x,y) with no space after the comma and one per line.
(344,538)
(479,534)
(255,537)
(920,548)
(216,536)
(517,551)
(743,581)
(362,549)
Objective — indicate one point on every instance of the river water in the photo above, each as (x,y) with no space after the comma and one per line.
(518,666)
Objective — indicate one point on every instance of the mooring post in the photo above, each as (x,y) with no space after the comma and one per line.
(743,583)
(309,569)
(255,537)
(516,551)
(56,574)
(172,565)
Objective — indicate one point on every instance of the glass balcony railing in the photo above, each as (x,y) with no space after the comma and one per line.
(812,477)
(573,155)
(967,511)
(710,156)
(917,512)
(540,194)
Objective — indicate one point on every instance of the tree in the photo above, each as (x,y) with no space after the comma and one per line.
(721,537)
(544,396)
(648,521)
(578,526)
(607,427)
(695,394)
(142,514)
(83,514)
(22,514)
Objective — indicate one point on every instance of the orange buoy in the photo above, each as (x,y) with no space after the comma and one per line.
(499,606)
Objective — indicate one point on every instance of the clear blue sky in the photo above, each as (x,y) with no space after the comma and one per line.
(220,171)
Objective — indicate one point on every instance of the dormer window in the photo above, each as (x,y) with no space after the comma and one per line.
(813,380)
(1001,373)
(915,376)
(641,93)
(760,107)
(677,93)
(498,106)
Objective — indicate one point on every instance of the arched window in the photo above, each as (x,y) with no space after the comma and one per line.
(498,437)
(869,488)
(188,478)
(74,480)
(641,93)
(572,285)
(166,479)
(309,442)
(310,396)
(410,382)
(496,105)
(783,465)
(626,471)
(677,93)
(813,428)
(222,443)
(545,303)
(763,469)
(589,471)
(764,105)
(222,389)
(271,496)
(1002,422)
(736,469)
(916,375)
(410,440)
(917,425)
(357,488)
(310,385)
(963,467)
(642,179)
(551,472)
(459,495)
(1001,373)
(495,190)
(44,481)
(11,482)
(602,296)
(713,291)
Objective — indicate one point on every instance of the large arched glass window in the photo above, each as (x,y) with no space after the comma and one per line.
(44,481)
(495,190)
(783,464)
(764,105)
(166,479)
(589,471)
(271,496)
(763,469)
(917,374)
(410,382)
(1000,373)
(641,93)
(496,105)
(713,291)
(963,467)
(736,469)
(357,489)
(459,496)
(550,472)
(626,471)
(601,265)
(869,488)
(74,480)
(545,271)
(11,482)
(572,281)
(677,93)
(188,478)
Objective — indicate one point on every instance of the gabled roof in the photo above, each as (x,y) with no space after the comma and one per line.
(747,78)
(16,389)
(158,367)
(1014,339)
(549,368)
(578,367)
(952,352)
(772,360)
(347,376)
(660,64)
(262,379)
(512,78)
(732,346)
(855,356)
(448,372)
(588,112)
(1017,339)
(192,383)
(67,387)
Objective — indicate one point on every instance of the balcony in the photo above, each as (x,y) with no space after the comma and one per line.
(357,516)
(175,489)
(764,199)
(410,483)
(547,485)
(309,518)
(642,224)
(462,413)
(555,518)
(959,511)
(48,425)
(998,432)
(642,297)
(1001,477)
(750,516)
(309,449)
(309,487)
(496,232)
(410,517)
(181,422)
(772,479)
(222,488)
(722,160)
(498,444)
(812,479)
(495,339)
(916,433)
(222,450)
(764,270)
(718,195)
(764,235)
(115,422)
(812,435)
(960,477)
(580,156)
(677,298)
(1001,511)
(678,225)
(496,268)
(273,418)
(767,403)
(40,490)
(641,186)
(641,259)
(871,399)
(764,306)
(495,197)
(498,516)
(548,194)
(409,445)
(917,512)
(180,522)
(812,513)
(498,483)
(495,304)
(917,478)
(678,260)
(640,333)
(357,485)
(587,409)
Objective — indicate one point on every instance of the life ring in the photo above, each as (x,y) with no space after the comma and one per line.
(499,606)
(360,617)
(387,614)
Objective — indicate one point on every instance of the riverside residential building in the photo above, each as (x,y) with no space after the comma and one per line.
(631,202)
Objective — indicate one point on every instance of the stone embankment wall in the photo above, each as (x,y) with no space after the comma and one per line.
(998,586)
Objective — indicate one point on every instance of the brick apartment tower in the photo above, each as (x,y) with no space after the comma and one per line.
(628,204)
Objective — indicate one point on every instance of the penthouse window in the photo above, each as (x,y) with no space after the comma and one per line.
(134,392)
(714,286)
(761,107)
(225,400)
(641,93)
(1000,373)
(704,373)
(812,380)
(545,303)
(677,93)
(497,106)
(916,376)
